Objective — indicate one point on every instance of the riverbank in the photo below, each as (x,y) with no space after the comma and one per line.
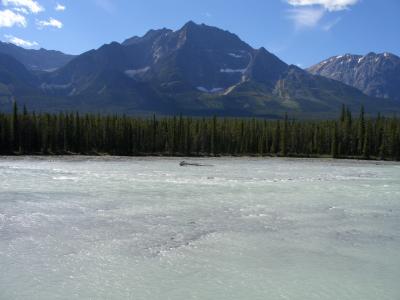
(194,156)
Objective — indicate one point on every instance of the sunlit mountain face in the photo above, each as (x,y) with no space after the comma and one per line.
(377,75)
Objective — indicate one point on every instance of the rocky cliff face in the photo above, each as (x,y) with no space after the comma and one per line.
(377,75)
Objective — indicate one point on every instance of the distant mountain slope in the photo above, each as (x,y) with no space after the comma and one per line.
(196,70)
(377,75)
(42,59)
(15,79)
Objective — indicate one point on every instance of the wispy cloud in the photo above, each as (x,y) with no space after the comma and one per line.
(20,42)
(305,17)
(309,13)
(60,7)
(8,18)
(30,5)
(50,23)
(331,5)
(106,5)
(329,25)
(21,10)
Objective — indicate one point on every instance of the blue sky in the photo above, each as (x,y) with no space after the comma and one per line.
(301,32)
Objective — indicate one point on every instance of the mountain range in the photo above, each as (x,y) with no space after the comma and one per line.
(36,60)
(196,70)
(377,75)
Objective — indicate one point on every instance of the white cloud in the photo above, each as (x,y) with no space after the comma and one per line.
(20,42)
(50,23)
(8,18)
(30,5)
(21,10)
(308,13)
(306,17)
(60,7)
(331,5)
(328,26)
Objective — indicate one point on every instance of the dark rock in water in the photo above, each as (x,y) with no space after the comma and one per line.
(184,163)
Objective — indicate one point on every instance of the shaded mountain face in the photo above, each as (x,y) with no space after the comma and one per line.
(15,79)
(197,70)
(377,75)
(38,60)
(199,57)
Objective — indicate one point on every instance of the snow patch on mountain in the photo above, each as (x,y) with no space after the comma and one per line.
(235,55)
(210,91)
(134,73)
(46,86)
(233,70)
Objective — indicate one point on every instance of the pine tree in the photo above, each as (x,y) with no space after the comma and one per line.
(361,131)
(276,138)
(15,128)
(334,143)
(367,143)
(284,137)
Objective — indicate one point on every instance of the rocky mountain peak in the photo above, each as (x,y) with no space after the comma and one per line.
(149,36)
(376,74)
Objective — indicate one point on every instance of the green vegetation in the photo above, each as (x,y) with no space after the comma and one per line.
(30,133)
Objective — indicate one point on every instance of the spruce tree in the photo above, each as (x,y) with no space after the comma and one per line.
(15,128)
(361,131)
(284,136)
(334,142)
(367,143)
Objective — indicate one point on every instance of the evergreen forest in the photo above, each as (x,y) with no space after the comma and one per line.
(362,137)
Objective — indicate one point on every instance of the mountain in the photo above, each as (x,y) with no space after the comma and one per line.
(41,60)
(15,79)
(196,70)
(377,75)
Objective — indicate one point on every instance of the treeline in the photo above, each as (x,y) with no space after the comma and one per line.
(71,133)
